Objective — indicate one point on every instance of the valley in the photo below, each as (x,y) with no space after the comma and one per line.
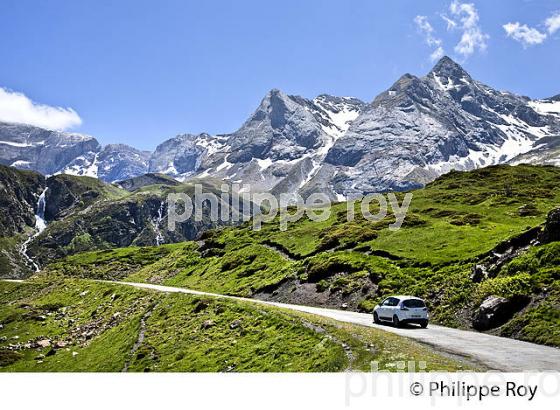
(481,247)
(480,241)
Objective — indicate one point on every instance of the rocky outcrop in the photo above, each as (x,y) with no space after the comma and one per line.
(19,191)
(491,263)
(551,231)
(494,311)
(282,128)
(68,194)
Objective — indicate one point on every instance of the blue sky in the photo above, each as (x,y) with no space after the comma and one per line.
(140,72)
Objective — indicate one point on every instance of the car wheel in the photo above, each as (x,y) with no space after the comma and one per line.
(376,318)
(424,324)
(396,321)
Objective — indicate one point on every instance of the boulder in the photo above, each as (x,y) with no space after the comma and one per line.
(479,273)
(60,344)
(494,311)
(235,324)
(551,231)
(207,324)
(44,343)
(490,313)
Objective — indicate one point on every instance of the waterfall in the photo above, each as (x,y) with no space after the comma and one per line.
(159,236)
(40,226)
(40,223)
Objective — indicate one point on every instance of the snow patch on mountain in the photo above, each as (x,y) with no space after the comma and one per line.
(546,107)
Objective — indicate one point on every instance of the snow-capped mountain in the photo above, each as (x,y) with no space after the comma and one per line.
(422,127)
(280,147)
(418,129)
(28,147)
(54,152)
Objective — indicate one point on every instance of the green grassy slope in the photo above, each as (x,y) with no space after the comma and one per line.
(451,225)
(98,216)
(80,325)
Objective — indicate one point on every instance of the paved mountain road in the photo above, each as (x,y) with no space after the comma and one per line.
(497,353)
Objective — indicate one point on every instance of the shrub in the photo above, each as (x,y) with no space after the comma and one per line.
(506,287)
(366,305)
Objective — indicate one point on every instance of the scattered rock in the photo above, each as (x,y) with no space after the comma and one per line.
(207,324)
(344,306)
(200,306)
(60,344)
(51,352)
(85,292)
(528,210)
(88,335)
(44,343)
(74,354)
(235,324)
(479,273)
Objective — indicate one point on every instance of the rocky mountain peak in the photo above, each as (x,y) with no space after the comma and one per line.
(447,68)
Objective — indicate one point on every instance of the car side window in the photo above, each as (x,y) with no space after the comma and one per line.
(394,302)
(386,302)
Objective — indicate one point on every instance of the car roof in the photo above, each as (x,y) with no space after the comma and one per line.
(405,297)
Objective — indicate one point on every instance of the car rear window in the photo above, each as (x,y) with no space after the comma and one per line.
(414,303)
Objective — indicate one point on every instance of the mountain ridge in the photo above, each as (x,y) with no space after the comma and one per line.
(414,131)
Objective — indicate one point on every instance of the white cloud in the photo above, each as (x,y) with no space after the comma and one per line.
(553,23)
(428,31)
(529,36)
(451,24)
(16,107)
(525,35)
(437,54)
(472,37)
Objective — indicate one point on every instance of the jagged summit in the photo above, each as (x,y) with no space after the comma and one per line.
(446,67)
